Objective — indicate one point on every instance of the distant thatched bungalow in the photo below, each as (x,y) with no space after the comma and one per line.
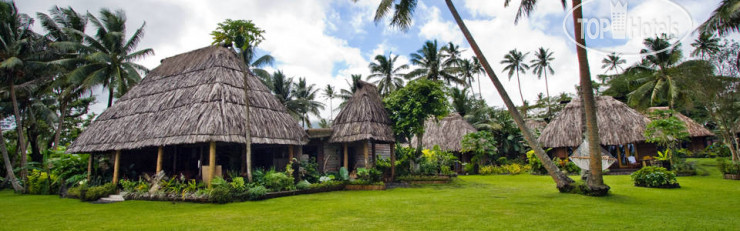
(698,134)
(621,130)
(187,115)
(447,133)
(362,125)
(535,125)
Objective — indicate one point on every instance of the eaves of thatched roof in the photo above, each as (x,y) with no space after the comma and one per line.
(617,122)
(363,118)
(192,97)
(695,129)
(534,124)
(447,133)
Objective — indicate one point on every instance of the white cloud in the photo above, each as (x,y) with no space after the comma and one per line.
(434,27)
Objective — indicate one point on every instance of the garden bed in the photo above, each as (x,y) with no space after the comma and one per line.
(425,179)
(732,176)
(368,187)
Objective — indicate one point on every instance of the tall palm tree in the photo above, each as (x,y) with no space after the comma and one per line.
(467,70)
(61,26)
(612,62)
(541,64)
(453,53)
(389,77)
(110,57)
(478,71)
(461,102)
(305,95)
(17,52)
(723,20)
(658,80)
(430,64)
(346,94)
(705,45)
(515,63)
(330,94)
(401,18)
(282,87)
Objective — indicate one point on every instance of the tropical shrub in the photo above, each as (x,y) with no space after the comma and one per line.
(327,185)
(278,181)
(97,192)
(383,165)
(343,174)
(515,169)
(654,177)
(728,167)
(535,163)
(74,192)
(481,144)
(39,182)
(304,184)
(486,170)
(403,157)
(326,178)
(469,168)
(257,192)
(310,170)
(371,175)
(237,183)
(502,160)
(566,165)
(436,161)
(684,168)
(220,194)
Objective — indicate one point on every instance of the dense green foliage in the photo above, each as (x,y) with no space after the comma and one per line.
(413,104)
(728,167)
(654,177)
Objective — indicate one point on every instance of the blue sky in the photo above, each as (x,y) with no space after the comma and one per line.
(327,40)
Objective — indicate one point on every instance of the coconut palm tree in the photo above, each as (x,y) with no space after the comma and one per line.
(305,96)
(430,62)
(541,64)
(515,63)
(658,80)
(705,45)
(612,62)
(467,69)
(460,101)
(389,77)
(453,54)
(109,56)
(401,18)
(61,26)
(723,20)
(282,87)
(330,94)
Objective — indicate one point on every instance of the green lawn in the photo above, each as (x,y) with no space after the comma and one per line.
(472,202)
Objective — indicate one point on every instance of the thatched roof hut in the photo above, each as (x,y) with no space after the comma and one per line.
(618,124)
(695,129)
(447,133)
(363,118)
(194,97)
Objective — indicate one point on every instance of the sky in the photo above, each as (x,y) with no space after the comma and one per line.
(326,41)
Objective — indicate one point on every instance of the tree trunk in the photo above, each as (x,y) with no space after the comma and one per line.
(8,167)
(247,127)
(480,93)
(563,182)
(547,89)
(110,96)
(33,139)
(60,125)
(595,181)
(19,127)
(519,83)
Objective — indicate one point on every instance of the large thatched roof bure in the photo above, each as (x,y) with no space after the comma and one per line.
(617,122)
(363,118)
(447,133)
(193,97)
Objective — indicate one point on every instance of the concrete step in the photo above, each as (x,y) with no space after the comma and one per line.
(111,199)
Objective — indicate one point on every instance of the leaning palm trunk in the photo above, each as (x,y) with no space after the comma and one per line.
(8,167)
(547,90)
(519,83)
(595,181)
(563,182)
(19,127)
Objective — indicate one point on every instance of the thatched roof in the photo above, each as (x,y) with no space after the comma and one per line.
(447,133)
(695,129)
(618,124)
(317,133)
(191,98)
(363,118)
(533,124)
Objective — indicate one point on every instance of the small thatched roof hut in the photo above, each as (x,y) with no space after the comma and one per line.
(447,133)
(695,129)
(534,124)
(618,124)
(363,118)
(194,97)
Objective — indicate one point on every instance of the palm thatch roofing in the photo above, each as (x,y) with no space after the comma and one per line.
(192,97)
(533,124)
(618,124)
(447,133)
(363,118)
(695,129)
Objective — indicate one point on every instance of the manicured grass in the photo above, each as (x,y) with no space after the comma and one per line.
(522,202)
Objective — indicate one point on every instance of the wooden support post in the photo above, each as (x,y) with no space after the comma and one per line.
(116,163)
(346,162)
(619,157)
(373,157)
(89,166)
(364,152)
(211,163)
(290,153)
(393,162)
(160,156)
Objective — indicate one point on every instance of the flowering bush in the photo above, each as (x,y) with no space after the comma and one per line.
(654,177)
